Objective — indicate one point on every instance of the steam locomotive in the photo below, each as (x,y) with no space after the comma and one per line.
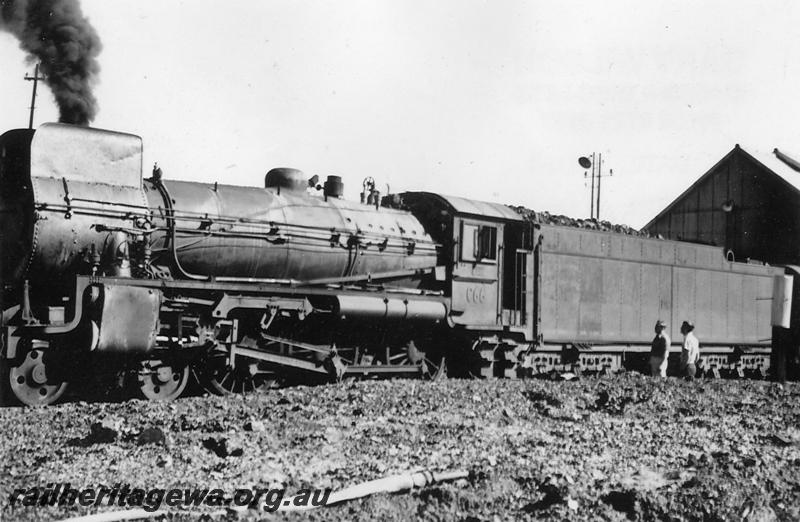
(160,280)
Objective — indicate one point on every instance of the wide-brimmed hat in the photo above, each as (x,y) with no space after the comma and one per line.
(661,324)
(687,325)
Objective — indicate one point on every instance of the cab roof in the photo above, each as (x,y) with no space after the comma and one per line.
(471,207)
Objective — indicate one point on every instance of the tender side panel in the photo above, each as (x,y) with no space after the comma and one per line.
(603,288)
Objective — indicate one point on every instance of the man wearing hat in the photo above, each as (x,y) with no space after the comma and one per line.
(659,351)
(690,353)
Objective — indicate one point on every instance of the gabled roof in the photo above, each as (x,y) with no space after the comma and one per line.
(768,160)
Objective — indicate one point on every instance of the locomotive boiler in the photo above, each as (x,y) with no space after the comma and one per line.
(82,195)
(152,282)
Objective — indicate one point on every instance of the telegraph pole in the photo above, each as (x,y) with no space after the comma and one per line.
(599,173)
(35,79)
(596,164)
(591,198)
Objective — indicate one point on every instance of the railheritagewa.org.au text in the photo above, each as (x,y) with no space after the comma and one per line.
(153,499)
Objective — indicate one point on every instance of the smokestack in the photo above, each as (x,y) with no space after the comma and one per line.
(56,34)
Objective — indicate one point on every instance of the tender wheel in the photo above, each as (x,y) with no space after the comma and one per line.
(32,382)
(218,376)
(160,381)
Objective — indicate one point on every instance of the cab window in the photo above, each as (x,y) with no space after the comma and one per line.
(478,243)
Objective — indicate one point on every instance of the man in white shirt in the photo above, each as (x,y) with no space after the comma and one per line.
(690,353)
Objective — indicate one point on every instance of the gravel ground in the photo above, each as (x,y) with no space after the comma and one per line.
(612,448)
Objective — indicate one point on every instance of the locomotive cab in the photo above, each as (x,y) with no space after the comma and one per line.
(488,252)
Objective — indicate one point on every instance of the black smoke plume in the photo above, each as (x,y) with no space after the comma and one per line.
(56,34)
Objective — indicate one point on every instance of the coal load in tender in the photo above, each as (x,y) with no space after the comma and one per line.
(546,218)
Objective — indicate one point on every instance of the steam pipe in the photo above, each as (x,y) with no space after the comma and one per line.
(170,212)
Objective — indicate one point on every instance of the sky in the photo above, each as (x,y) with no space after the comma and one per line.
(490,100)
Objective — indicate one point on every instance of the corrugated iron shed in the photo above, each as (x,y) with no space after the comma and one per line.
(748,202)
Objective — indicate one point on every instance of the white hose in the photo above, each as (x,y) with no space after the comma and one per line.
(393,484)
(115,516)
